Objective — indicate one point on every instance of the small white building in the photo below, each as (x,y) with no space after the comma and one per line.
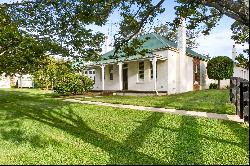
(20,82)
(24,81)
(4,81)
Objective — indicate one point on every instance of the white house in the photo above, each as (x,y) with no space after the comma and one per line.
(168,68)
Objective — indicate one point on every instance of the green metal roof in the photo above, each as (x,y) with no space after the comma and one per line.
(154,43)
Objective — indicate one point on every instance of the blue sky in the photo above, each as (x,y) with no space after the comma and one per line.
(218,43)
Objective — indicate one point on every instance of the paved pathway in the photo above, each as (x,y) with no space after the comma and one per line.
(173,111)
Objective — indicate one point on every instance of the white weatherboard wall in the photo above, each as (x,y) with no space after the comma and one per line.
(111,84)
(241,72)
(4,81)
(171,71)
(139,85)
(25,81)
(203,75)
(162,75)
(98,80)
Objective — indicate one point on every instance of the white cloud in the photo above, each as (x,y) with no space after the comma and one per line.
(218,44)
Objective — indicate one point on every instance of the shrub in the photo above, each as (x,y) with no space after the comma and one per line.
(213,86)
(220,68)
(73,84)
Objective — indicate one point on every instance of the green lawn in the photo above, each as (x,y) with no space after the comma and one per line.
(36,129)
(216,101)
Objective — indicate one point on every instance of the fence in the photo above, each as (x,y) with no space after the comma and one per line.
(239,96)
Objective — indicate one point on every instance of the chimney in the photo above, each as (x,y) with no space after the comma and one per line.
(234,53)
(181,38)
(181,80)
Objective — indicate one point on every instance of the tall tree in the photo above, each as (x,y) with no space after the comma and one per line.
(50,71)
(18,53)
(65,22)
(220,68)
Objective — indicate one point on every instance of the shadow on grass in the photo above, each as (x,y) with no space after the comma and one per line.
(50,114)
(216,101)
(240,133)
(187,148)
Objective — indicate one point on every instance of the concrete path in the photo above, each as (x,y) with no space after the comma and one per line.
(173,111)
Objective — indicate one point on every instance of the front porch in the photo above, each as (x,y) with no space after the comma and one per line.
(132,76)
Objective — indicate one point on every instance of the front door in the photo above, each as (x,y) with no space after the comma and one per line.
(125,77)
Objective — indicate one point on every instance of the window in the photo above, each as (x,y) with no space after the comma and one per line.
(141,71)
(90,72)
(111,72)
(196,68)
(93,72)
(86,72)
(151,71)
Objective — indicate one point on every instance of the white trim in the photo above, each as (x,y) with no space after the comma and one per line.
(103,68)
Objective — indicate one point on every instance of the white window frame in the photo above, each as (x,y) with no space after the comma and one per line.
(111,72)
(141,70)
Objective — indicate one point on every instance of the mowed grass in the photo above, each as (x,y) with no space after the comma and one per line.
(215,101)
(36,129)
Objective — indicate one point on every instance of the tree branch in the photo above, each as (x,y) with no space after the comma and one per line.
(142,22)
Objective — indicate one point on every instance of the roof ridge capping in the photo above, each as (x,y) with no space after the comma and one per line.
(159,38)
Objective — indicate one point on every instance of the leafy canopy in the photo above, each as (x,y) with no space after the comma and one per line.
(220,68)
(19,53)
(62,26)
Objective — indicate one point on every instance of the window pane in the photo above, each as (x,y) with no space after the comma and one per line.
(90,72)
(141,70)
(141,76)
(111,72)
(111,76)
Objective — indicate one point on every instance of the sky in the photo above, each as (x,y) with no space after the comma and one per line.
(218,43)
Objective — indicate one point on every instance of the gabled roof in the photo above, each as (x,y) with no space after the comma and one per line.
(154,43)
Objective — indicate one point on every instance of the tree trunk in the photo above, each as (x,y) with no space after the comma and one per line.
(218,84)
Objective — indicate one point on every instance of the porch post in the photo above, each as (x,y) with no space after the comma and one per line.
(154,72)
(120,75)
(102,66)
